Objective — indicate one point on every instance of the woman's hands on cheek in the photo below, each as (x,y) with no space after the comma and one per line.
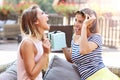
(46,45)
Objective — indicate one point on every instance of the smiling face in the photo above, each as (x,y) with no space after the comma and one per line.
(79,19)
(78,23)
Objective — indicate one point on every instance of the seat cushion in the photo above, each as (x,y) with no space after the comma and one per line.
(60,69)
(10,73)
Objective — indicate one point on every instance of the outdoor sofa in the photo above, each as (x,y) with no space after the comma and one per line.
(59,69)
(9,29)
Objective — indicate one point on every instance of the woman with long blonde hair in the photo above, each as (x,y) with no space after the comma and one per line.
(34,49)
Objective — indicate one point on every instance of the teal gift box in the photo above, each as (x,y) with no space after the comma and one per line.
(57,39)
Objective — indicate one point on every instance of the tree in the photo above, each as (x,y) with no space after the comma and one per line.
(65,8)
(46,5)
(13,1)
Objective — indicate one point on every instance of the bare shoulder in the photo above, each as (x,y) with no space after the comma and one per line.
(27,45)
(27,48)
(27,42)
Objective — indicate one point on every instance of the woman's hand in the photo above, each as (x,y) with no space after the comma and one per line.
(46,45)
(67,53)
(89,20)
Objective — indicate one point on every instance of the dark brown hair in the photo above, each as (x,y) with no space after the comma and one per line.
(88,11)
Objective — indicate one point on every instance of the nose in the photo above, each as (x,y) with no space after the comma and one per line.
(76,23)
(46,14)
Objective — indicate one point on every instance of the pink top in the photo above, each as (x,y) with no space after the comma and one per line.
(21,72)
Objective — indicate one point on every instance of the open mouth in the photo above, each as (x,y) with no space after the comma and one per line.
(48,22)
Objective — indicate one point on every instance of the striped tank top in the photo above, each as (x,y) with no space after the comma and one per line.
(90,63)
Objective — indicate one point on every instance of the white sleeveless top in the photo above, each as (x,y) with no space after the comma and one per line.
(21,72)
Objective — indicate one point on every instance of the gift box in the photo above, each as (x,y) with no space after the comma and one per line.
(57,39)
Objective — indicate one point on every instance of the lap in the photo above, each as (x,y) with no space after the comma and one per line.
(103,74)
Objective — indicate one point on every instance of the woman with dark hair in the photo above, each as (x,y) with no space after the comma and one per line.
(34,49)
(86,48)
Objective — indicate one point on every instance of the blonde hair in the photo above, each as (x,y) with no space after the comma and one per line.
(28,19)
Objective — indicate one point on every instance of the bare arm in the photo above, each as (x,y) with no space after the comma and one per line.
(67,54)
(85,45)
(28,52)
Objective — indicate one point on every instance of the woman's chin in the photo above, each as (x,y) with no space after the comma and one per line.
(47,26)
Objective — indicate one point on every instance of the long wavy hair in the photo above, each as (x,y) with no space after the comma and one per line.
(28,19)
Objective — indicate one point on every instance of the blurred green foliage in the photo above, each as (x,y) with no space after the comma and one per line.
(66,8)
(46,5)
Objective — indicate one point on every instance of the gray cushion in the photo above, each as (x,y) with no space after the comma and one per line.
(60,69)
(10,73)
(3,67)
(7,76)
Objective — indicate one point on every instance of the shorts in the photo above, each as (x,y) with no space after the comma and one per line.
(103,74)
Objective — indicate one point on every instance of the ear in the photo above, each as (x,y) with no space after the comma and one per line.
(89,26)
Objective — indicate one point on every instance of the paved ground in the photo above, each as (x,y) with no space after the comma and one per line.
(8,45)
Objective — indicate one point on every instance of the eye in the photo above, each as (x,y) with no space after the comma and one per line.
(80,21)
(88,17)
(43,13)
(75,19)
